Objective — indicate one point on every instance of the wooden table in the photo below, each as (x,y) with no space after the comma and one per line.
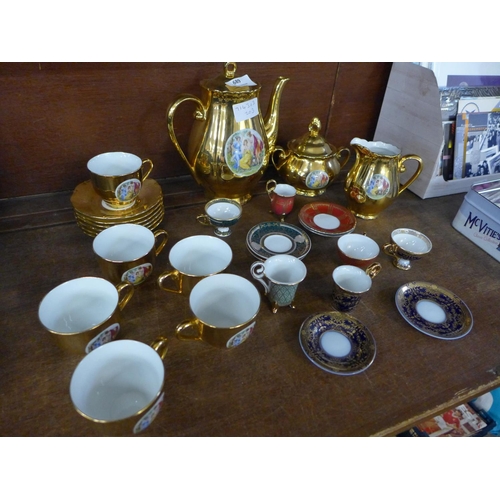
(266,386)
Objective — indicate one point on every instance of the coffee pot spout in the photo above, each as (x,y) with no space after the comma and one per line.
(271,119)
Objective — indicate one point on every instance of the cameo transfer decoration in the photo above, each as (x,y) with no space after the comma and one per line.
(146,420)
(241,336)
(245,152)
(138,274)
(104,337)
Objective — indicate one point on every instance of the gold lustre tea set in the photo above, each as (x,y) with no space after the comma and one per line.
(118,385)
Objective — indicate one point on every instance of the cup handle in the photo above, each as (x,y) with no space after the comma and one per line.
(203,219)
(160,233)
(270,187)
(160,345)
(257,271)
(192,324)
(175,276)
(128,290)
(145,173)
(373,269)
(339,153)
(390,249)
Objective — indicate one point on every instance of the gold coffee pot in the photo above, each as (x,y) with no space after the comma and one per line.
(230,143)
(373,183)
(311,164)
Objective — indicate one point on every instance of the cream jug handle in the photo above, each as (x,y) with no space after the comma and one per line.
(402,168)
(200,114)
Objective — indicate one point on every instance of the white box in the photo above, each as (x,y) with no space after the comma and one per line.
(410,118)
(478,218)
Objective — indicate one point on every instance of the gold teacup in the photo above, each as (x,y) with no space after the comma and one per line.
(193,259)
(127,252)
(118,388)
(84,313)
(225,307)
(117,178)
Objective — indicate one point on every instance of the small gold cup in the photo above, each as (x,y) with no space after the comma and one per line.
(118,388)
(117,178)
(127,252)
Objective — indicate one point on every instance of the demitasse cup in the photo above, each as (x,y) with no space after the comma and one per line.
(225,307)
(350,283)
(357,250)
(222,214)
(84,313)
(118,388)
(117,178)
(407,245)
(282,198)
(193,259)
(127,252)
(280,275)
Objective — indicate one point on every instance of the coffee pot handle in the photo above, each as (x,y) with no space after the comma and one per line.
(200,114)
(402,168)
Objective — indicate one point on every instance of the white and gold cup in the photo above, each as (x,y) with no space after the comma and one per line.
(407,246)
(127,252)
(280,275)
(84,313)
(194,258)
(222,214)
(350,283)
(117,178)
(224,307)
(119,388)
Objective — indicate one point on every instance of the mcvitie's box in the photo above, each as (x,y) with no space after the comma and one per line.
(478,218)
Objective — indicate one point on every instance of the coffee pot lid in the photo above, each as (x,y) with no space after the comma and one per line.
(311,143)
(220,83)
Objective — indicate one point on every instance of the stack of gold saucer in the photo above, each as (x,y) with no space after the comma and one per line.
(93,217)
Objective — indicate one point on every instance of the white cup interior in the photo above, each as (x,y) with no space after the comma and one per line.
(115,163)
(117,380)
(285,190)
(411,241)
(124,242)
(224,300)
(352,279)
(358,246)
(200,255)
(78,305)
(285,269)
(223,210)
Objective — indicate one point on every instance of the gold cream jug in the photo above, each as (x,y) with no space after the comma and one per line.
(373,183)
(230,142)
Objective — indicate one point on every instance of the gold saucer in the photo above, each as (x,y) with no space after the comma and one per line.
(93,217)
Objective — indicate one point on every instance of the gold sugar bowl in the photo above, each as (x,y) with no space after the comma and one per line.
(310,164)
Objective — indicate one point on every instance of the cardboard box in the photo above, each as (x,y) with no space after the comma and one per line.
(478,218)
(410,118)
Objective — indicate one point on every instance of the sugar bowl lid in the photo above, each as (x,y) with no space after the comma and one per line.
(312,144)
